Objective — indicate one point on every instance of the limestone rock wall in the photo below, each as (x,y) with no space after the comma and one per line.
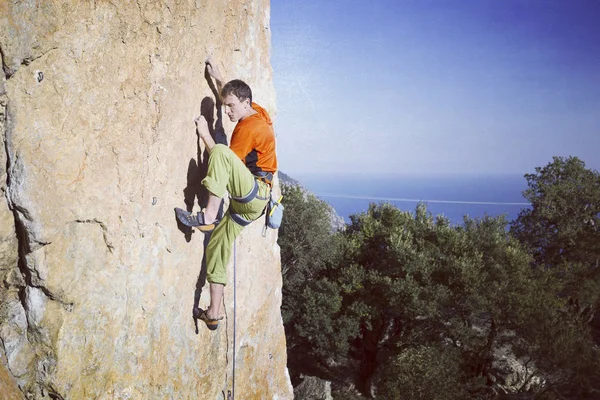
(97,100)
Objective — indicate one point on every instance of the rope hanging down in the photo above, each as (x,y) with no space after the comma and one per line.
(231,393)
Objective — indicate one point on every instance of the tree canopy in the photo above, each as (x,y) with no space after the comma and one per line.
(563,223)
(562,230)
(406,305)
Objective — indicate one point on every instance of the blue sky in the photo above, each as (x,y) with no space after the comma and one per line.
(469,86)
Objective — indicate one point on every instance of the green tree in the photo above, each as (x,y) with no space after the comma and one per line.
(562,229)
(408,306)
(424,290)
(307,244)
(315,330)
(423,373)
(562,232)
(563,223)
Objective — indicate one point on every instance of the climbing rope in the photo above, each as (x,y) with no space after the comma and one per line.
(231,394)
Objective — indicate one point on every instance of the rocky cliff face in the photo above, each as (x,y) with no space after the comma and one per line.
(97,101)
(336,222)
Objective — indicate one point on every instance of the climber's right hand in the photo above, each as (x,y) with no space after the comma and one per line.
(202,127)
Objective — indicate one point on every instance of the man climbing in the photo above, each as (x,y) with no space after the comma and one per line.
(244,170)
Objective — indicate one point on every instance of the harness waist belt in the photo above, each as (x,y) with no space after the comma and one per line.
(266,177)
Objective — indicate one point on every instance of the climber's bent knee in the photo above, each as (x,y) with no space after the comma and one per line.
(221,280)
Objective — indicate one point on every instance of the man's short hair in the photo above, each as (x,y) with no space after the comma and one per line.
(238,88)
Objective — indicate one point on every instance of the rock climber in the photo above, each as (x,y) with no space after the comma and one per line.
(244,170)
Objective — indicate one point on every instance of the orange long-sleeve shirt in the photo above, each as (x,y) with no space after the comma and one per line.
(253,141)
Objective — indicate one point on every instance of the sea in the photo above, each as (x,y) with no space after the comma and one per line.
(451,195)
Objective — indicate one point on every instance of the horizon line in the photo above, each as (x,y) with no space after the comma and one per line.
(400,199)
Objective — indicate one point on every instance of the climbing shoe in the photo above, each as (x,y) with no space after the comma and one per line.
(211,323)
(195,221)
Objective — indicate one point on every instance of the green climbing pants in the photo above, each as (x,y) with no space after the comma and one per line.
(227,173)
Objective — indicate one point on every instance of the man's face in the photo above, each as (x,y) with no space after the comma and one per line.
(236,109)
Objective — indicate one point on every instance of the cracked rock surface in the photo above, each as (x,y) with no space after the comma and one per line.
(97,101)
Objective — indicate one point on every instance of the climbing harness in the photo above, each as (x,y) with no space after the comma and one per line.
(253,194)
(263,176)
(250,196)
(273,210)
(266,177)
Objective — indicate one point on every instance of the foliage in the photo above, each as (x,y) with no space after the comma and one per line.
(306,244)
(310,302)
(562,229)
(562,232)
(564,220)
(458,294)
(421,373)
(411,307)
